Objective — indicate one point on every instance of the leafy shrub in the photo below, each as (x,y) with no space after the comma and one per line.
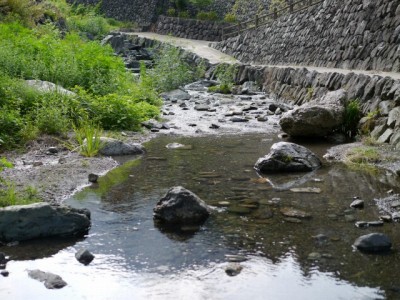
(171,12)
(68,62)
(170,71)
(222,88)
(230,18)
(183,14)
(11,125)
(201,3)
(209,16)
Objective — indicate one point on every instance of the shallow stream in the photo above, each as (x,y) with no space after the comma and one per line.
(282,258)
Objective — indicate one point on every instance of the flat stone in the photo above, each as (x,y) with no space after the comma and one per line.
(114,147)
(314,256)
(294,213)
(306,190)
(238,120)
(202,107)
(357,203)
(292,220)
(50,280)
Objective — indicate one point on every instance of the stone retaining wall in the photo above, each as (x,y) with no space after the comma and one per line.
(350,34)
(190,28)
(379,96)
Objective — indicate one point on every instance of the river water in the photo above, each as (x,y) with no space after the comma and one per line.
(283,258)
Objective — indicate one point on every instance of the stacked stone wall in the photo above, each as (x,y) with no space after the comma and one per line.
(190,28)
(349,34)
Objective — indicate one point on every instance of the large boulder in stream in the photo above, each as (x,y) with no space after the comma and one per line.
(373,243)
(180,207)
(114,147)
(39,220)
(316,118)
(288,157)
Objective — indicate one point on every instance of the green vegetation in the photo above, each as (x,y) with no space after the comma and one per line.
(10,196)
(48,41)
(351,118)
(363,158)
(4,163)
(88,136)
(209,15)
(230,18)
(225,74)
(170,71)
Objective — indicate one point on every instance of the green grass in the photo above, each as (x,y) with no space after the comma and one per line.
(88,137)
(9,195)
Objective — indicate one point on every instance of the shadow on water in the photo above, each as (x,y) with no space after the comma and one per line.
(312,254)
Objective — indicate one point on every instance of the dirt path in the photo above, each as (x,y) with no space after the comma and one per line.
(203,49)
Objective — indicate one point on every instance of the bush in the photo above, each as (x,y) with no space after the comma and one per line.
(183,14)
(209,16)
(230,18)
(170,71)
(11,125)
(171,12)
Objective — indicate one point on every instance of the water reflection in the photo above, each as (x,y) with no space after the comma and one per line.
(135,257)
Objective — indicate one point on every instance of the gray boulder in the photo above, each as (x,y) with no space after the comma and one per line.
(181,206)
(116,41)
(47,87)
(114,147)
(316,118)
(176,95)
(50,280)
(373,242)
(288,157)
(39,220)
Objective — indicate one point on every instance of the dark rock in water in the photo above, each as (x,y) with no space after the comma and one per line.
(357,204)
(373,242)
(93,178)
(114,147)
(50,280)
(288,157)
(181,206)
(4,273)
(361,224)
(316,118)
(176,95)
(233,269)
(375,223)
(84,256)
(49,220)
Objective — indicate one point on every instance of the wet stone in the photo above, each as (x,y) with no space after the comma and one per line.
(202,107)
(361,224)
(395,204)
(357,204)
(386,218)
(93,177)
(294,213)
(314,256)
(375,223)
(292,220)
(309,190)
(84,256)
(214,126)
(233,269)
(50,280)
(373,242)
(4,273)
